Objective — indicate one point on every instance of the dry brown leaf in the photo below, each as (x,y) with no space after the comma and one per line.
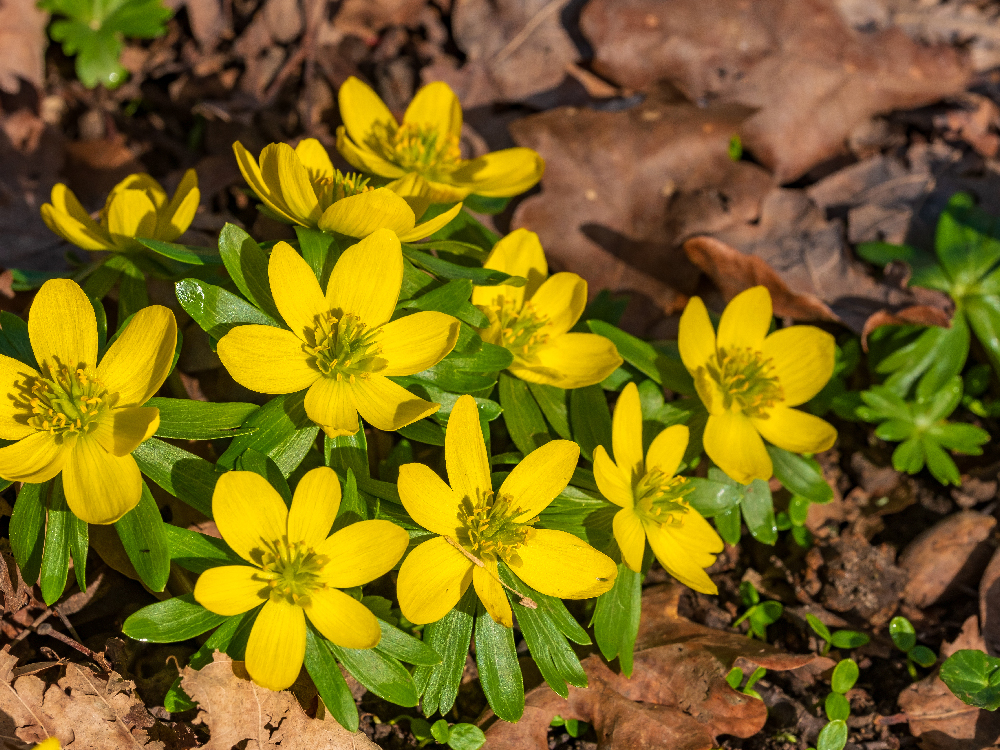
(23,41)
(677,696)
(235,709)
(920,315)
(989,605)
(812,77)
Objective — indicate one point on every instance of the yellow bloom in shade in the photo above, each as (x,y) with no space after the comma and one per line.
(427,143)
(749,380)
(137,207)
(79,416)
(302,187)
(652,500)
(341,345)
(478,528)
(296,568)
(533,321)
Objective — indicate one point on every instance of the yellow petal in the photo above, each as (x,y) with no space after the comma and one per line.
(360,215)
(431,580)
(280,166)
(803,359)
(231,589)
(430,226)
(249,513)
(560,301)
(447,192)
(416,342)
(277,645)
(366,280)
(388,406)
(626,433)
(796,431)
(363,158)
(667,449)
(430,502)
(465,451)
(518,254)
(745,320)
(731,440)
(178,216)
(362,552)
(676,561)
(559,564)
(611,480)
(314,506)
(266,359)
(142,183)
(65,201)
(542,475)
(100,487)
(67,218)
(573,360)
(342,619)
(631,537)
(697,536)
(131,214)
(501,174)
(35,459)
(695,335)
(14,376)
(315,159)
(492,594)
(62,325)
(269,193)
(330,404)
(296,292)
(361,109)
(436,106)
(416,191)
(121,431)
(137,364)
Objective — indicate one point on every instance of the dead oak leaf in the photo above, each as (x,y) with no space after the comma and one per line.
(677,696)
(22,38)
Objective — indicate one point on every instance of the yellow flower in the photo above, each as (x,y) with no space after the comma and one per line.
(478,528)
(533,321)
(427,143)
(301,186)
(652,500)
(78,416)
(341,345)
(50,744)
(296,568)
(137,207)
(748,381)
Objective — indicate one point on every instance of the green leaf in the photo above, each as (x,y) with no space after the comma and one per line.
(330,683)
(922,656)
(316,249)
(27,530)
(451,298)
(217,311)
(819,628)
(449,637)
(280,430)
(553,403)
(974,678)
(484,205)
(185,419)
(729,525)
(735,678)
(845,674)
(198,552)
(837,707)
(404,647)
(524,420)
(185,476)
(144,537)
(616,618)
(590,419)
(800,475)
(833,736)
(348,452)
(902,633)
(849,639)
(710,498)
(378,672)
(439,731)
(172,620)
(352,507)
(192,256)
(983,314)
(966,240)
(939,463)
(14,341)
(909,456)
(666,370)
(247,266)
(447,270)
(55,558)
(758,512)
(466,737)
(499,671)
(463,228)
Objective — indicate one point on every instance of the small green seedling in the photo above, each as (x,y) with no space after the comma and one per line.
(905,639)
(95,31)
(574,728)
(834,735)
(735,679)
(794,519)
(455,736)
(974,678)
(836,639)
(760,614)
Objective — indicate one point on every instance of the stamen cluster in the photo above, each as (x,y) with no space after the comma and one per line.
(660,498)
(420,148)
(746,377)
(329,190)
(68,401)
(344,347)
(488,526)
(521,331)
(292,571)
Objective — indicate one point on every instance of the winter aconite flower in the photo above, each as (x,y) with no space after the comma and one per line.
(50,744)
(137,207)
(749,380)
(478,528)
(76,415)
(296,568)
(533,321)
(341,345)
(301,186)
(427,143)
(652,498)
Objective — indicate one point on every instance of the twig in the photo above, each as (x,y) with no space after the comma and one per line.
(525,601)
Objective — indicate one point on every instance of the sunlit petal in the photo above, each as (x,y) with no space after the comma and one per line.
(676,560)
(430,502)
(231,589)
(491,593)
(543,474)
(465,451)
(796,431)
(560,302)
(277,645)
(611,480)
(667,449)
(695,336)
(35,459)
(269,194)
(803,359)
(296,292)
(365,159)
(366,280)
(418,341)
(62,325)
(120,431)
(431,580)
(266,359)
(388,406)
(330,404)
(560,564)
(315,159)
(179,214)
(631,537)
(360,215)
(314,506)
(429,227)
(573,360)
(342,619)
(361,110)
(361,552)
(436,106)
(140,359)
(100,486)
(131,214)
(745,320)
(731,440)
(249,513)
(14,375)
(626,433)
(501,174)
(279,165)
(517,254)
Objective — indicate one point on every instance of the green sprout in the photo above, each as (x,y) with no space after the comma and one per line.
(836,639)
(735,679)
(833,736)
(574,727)
(760,614)
(455,736)
(904,637)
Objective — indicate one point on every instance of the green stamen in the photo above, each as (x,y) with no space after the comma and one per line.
(344,347)
(521,331)
(745,377)
(419,148)
(63,400)
(292,571)
(329,190)
(488,526)
(660,498)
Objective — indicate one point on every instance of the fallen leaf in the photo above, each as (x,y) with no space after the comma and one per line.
(989,605)
(23,41)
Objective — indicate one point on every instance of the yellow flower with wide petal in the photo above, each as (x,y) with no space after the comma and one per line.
(427,143)
(137,207)
(477,528)
(76,415)
(749,380)
(50,744)
(651,498)
(295,569)
(302,187)
(533,321)
(342,345)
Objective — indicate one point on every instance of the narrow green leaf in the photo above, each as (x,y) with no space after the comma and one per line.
(330,683)
(758,512)
(193,256)
(800,475)
(449,637)
(590,419)
(185,419)
(666,370)
(348,452)
(499,671)
(378,672)
(521,414)
(198,552)
(404,647)
(247,266)
(172,620)
(27,530)
(216,310)
(144,538)
(447,270)
(55,558)
(316,249)
(849,639)
(280,430)
(184,475)
(79,544)
(553,402)
(819,628)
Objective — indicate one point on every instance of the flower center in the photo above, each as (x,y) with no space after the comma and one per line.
(419,148)
(488,526)
(344,347)
(745,377)
(660,498)
(67,401)
(329,190)
(521,331)
(293,571)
